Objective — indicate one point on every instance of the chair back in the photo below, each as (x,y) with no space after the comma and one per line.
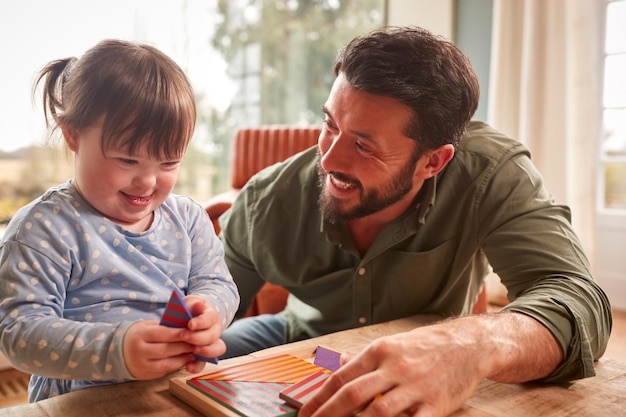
(255,148)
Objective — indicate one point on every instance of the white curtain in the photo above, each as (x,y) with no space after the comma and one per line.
(546,91)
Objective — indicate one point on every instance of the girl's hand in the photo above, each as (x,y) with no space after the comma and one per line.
(205,330)
(152,351)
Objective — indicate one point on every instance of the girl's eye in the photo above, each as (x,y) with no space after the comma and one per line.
(170,165)
(127,161)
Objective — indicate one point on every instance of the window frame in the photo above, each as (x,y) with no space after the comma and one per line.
(606,158)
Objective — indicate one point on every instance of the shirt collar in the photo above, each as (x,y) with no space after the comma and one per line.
(426,199)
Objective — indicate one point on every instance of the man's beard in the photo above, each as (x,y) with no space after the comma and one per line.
(371,201)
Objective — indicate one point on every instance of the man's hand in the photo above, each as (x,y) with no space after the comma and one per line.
(431,371)
(152,351)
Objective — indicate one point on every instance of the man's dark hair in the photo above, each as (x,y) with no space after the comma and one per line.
(424,71)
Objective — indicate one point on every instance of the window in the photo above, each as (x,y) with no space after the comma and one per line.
(610,263)
(613,151)
(250,62)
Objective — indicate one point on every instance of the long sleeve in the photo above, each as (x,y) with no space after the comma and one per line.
(529,241)
(534,250)
(72,283)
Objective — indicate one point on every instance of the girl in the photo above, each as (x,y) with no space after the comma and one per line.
(87,268)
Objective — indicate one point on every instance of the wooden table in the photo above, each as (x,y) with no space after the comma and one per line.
(603,395)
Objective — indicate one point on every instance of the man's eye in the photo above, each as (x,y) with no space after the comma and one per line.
(361,146)
(330,125)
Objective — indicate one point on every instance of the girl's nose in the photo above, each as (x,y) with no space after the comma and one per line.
(144,180)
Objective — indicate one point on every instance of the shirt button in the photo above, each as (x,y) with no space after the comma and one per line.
(362,320)
(361,271)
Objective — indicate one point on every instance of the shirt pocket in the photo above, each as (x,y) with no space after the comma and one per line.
(407,282)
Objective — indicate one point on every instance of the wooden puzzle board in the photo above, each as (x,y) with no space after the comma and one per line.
(183,389)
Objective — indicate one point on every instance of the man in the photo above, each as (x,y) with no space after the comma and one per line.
(399,211)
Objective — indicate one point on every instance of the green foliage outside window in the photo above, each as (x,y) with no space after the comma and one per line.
(281,55)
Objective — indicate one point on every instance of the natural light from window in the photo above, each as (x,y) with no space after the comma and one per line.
(250,62)
(614,142)
(37,31)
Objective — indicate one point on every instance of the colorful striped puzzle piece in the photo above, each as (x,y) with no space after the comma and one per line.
(177,314)
(284,368)
(298,393)
(247,398)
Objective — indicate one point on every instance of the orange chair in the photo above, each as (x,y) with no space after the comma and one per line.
(254,149)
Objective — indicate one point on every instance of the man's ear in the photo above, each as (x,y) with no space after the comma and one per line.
(436,160)
(71,137)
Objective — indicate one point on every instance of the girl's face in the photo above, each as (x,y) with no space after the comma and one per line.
(124,188)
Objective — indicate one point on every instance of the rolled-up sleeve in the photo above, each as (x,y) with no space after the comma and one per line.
(533,248)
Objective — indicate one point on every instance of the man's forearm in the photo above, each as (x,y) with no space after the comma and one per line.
(520,348)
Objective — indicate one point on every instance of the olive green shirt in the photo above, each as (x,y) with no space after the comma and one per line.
(487,207)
